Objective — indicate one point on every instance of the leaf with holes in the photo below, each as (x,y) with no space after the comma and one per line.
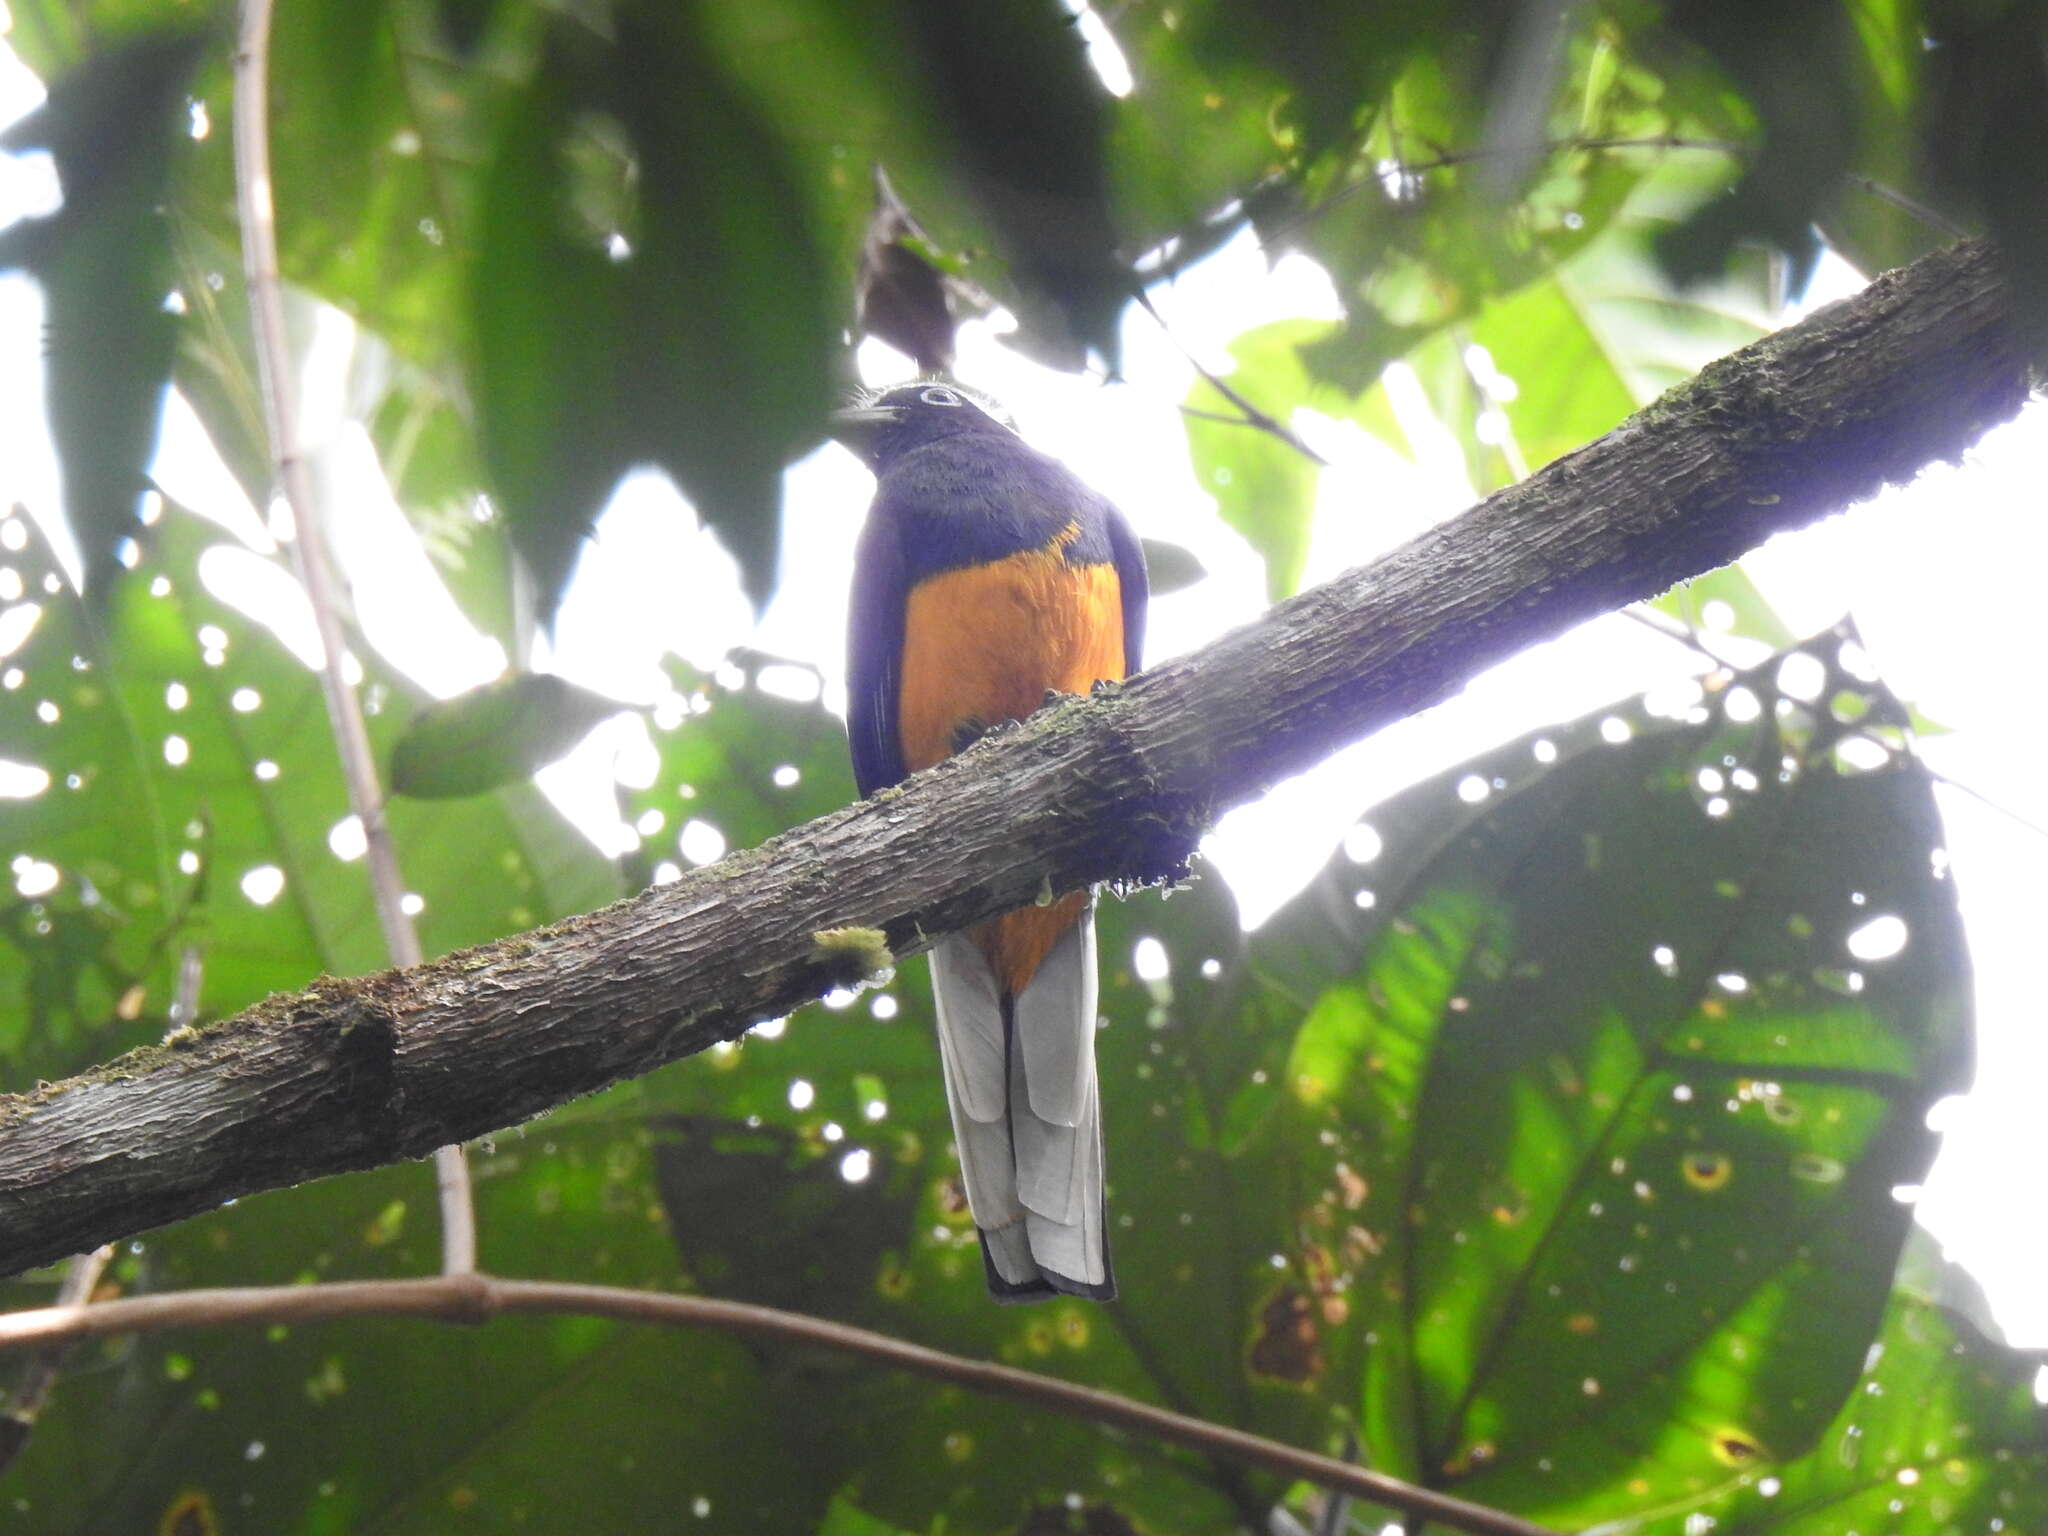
(1792,61)
(1943,1433)
(193,802)
(678,1420)
(1614,1065)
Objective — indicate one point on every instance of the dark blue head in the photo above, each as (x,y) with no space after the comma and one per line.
(892,421)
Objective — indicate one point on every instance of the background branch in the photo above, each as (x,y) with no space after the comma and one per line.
(351,1074)
(39,1378)
(1249,415)
(475,1298)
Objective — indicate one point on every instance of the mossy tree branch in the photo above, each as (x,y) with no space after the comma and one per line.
(352,1074)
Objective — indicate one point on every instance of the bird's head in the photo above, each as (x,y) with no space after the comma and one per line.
(891,421)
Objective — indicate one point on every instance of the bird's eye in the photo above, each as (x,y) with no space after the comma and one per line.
(939,396)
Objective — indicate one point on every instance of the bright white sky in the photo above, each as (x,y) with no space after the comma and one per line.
(1942,578)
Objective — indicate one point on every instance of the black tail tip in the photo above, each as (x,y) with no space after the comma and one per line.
(1047,1286)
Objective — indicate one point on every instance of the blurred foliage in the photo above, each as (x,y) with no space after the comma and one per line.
(1542,1149)
(1564,1071)
(194,801)
(620,233)
(103,260)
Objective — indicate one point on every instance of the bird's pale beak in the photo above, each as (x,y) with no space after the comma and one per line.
(859,425)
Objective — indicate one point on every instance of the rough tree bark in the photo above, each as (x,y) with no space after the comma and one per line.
(351,1074)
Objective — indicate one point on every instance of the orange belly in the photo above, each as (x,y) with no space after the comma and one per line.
(983,645)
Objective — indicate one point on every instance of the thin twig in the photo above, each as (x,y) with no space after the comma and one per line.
(1196,413)
(258,216)
(1164,264)
(1405,170)
(1672,628)
(1249,415)
(476,1298)
(1988,803)
(1931,217)
(39,1379)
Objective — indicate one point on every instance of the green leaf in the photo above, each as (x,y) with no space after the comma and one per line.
(493,735)
(1942,1433)
(1567,388)
(1026,122)
(1602,334)
(549,322)
(845,1519)
(1865,221)
(1652,337)
(1751,614)
(632,1426)
(1610,1096)
(1793,64)
(1205,122)
(732,350)
(690,334)
(194,801)
(1171,567)
(103,260)
(1416,255)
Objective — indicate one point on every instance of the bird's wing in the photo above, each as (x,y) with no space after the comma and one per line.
(874,652)
(1135,587)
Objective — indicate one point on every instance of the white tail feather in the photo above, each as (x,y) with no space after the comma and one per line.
(1055,1019)
(1009,1254)
(1026,1113)
(970,1028)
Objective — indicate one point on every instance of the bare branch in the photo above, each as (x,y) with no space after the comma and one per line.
(476,1298)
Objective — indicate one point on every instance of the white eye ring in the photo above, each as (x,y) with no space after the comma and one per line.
(938,395)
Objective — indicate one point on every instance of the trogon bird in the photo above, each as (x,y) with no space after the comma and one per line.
(988,575)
